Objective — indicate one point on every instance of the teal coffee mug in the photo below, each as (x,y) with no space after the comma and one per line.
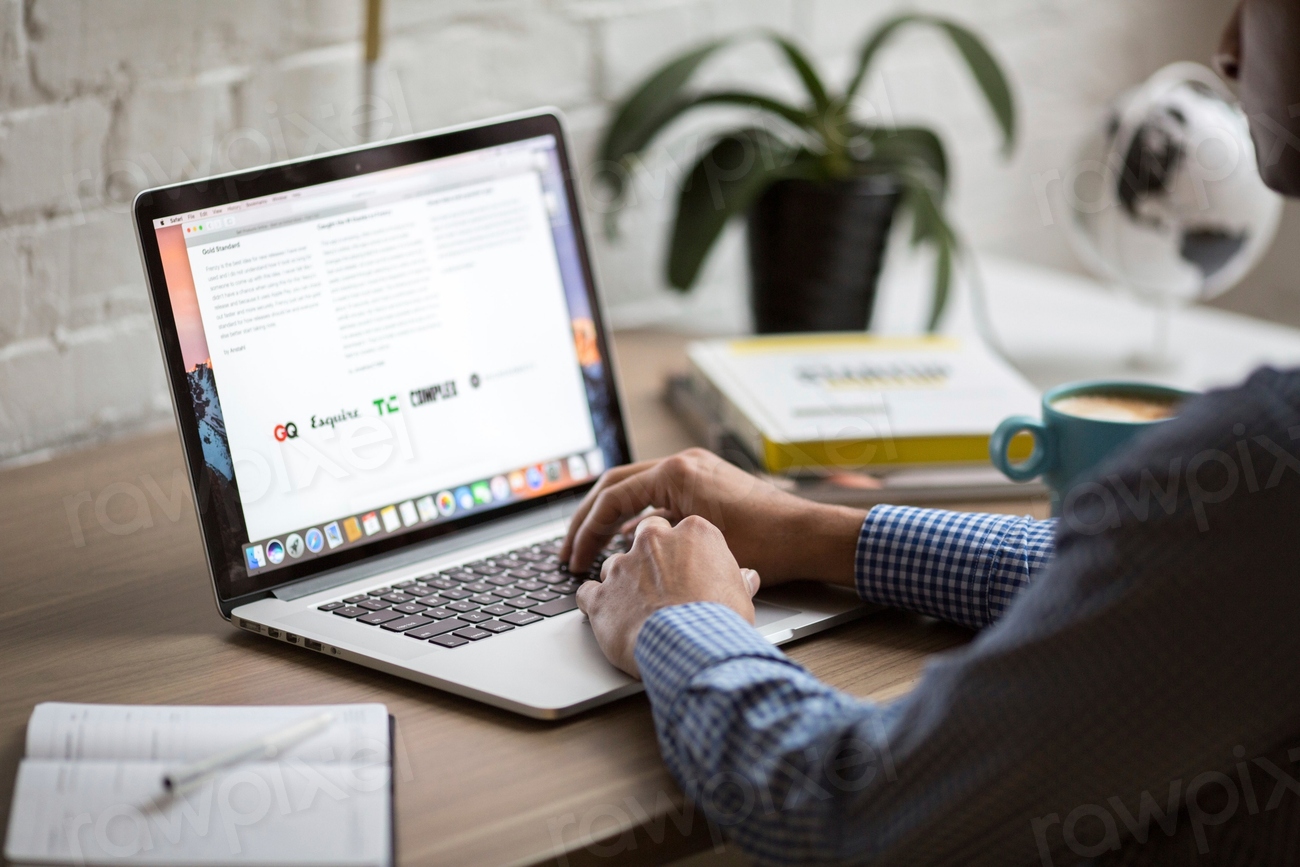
(1082,423)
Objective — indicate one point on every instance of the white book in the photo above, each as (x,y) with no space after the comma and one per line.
(89,790)
(812,402)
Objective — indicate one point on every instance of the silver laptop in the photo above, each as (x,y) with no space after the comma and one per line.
(393,385)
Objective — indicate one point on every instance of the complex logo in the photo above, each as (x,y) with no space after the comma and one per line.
(286,431)
(433,393)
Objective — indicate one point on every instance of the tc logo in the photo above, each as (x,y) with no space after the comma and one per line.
(387,406)
(286,432)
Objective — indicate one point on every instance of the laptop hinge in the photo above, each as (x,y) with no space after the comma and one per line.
(427,551)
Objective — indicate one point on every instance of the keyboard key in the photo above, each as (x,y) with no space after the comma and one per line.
(442,583)
(543,596)
(477,587)
(500,581)
(507,592)
(495,626)
(521,618)
(521,603)
(484,599)
(529,585)
(488,570)
(474,617)
(553,578)
(565,588)
(409,608)
(520,574)
(377,617)
(330,606)
(455,594)
(473,633)
(448,641)
(406,623)
(432,629)
(349,611)
(559,606)
(373,605)
(396,598)
(438,613)
(379,591)
(402,585)
(353,600)
(460,575)
(462,605)
(545,566)
(419,591)
(498,609)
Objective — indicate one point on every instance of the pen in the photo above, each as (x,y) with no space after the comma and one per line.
(264,747)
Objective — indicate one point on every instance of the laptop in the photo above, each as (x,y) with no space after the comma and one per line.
(393,385)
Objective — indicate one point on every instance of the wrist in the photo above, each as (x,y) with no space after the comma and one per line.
(822,544)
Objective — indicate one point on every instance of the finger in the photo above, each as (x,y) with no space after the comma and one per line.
(629,528)
(752,580)
(587,591)
(615,474)
(614,505)
(650,521)
(607,566)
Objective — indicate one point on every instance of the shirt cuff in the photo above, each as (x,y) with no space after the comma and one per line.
(679,642)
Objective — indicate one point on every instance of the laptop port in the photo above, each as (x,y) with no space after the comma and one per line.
(311,645)
(291,638)
(274,633)
(248,624)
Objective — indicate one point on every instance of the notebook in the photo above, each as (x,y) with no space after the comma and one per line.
(813,402)
(89,790)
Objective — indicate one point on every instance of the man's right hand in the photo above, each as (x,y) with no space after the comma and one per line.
(781,536)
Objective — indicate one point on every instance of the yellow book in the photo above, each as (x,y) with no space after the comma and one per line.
(803,403)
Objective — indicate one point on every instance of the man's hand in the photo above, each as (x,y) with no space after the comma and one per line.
(782,536)
(666,566)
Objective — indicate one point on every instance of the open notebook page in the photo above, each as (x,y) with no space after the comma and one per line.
(90,790)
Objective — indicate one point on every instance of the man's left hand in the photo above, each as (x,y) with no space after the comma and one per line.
(666,566)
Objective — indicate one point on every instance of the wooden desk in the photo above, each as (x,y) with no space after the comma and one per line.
(117,608)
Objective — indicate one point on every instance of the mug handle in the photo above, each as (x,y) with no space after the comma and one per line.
(1043,456)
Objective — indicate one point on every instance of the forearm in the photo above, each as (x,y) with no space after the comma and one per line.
(964,567)
(766,750)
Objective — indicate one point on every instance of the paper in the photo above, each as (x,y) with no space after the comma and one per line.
(90,789)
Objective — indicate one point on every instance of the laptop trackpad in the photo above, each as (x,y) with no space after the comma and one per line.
(765,613)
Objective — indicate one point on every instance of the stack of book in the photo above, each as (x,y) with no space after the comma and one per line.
(857,419)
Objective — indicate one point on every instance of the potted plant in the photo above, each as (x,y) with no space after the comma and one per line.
(819,186)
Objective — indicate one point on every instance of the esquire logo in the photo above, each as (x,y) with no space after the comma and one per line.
(330,420)
(433,393)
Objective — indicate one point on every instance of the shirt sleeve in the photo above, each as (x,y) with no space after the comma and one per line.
(964,567)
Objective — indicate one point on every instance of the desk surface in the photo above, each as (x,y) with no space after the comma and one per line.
(127,616)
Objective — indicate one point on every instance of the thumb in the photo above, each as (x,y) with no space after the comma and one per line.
(752,581)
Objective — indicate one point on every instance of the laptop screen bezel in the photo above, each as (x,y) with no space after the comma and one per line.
(191,196)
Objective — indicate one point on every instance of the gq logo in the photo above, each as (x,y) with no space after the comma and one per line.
(287,431)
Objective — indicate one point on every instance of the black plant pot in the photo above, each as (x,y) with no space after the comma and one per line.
(815,251)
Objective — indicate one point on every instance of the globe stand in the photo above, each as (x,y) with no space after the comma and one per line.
(1160,357)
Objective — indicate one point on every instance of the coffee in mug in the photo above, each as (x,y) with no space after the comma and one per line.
(1081,425)
(1116,407)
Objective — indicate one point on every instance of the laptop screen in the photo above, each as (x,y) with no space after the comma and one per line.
(381,354)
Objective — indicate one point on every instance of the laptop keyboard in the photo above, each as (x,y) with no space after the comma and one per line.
(476,600)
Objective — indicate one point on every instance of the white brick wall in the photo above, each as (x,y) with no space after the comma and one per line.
(99,98)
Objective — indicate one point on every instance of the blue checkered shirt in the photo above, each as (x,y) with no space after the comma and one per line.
(1133,696)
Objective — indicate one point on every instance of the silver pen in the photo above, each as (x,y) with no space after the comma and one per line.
(264,747)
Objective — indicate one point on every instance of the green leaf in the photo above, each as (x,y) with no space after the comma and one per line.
(987,72)
(724,182)
(867,53)
(988,75)
(942,284)
(803,66)
(912,145)
(650,107)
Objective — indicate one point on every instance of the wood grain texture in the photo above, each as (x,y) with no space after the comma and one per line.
(103,601)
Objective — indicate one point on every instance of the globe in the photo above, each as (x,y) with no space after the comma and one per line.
(1165,198)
